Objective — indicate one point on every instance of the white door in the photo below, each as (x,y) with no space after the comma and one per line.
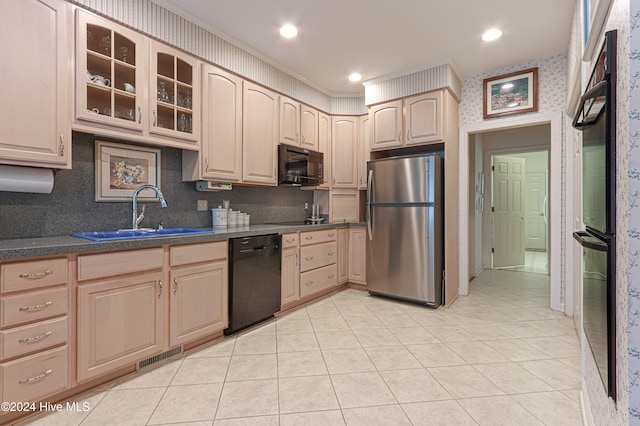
(508,179)
(535,226)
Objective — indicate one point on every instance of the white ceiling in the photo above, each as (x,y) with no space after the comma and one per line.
(384,37)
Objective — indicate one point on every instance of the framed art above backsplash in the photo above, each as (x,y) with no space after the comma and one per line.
(121,169)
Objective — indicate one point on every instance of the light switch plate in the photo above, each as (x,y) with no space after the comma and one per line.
(203,205)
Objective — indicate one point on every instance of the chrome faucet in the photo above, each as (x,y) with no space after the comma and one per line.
(137,219)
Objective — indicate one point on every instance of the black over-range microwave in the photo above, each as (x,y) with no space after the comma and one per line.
(299,167)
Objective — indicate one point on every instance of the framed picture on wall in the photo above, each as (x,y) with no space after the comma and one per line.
(121,169)
(508,94)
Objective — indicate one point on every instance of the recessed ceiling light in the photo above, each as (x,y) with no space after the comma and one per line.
(492,34)
(355,77)
(288,31)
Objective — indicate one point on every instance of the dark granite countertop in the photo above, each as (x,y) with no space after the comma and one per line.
(51,246)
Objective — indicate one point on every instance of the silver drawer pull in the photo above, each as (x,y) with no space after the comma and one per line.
(308,258)
(35,378)
(330,276)
(330,253)
(35,338)
(36,276)
(33,308)
(308,238)
(309,283)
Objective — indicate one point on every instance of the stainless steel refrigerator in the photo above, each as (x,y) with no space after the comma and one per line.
(405,249)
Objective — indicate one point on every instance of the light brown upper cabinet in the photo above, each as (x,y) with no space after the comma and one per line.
(289,121)
(174,95)
(220,158)
(364,155)
(416,120)
(111,73)
(298,124)
(309,128)
(324,146)
(260,135)
(35,107)
(344,151)
(132,87)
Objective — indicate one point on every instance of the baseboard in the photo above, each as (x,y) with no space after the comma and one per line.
(587,419)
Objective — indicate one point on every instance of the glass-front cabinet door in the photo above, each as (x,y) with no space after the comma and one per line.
(174,93)
(113,60)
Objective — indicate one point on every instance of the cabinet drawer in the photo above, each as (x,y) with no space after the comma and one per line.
(312,257)
(290,240)
(317,280)
(33,337)
(122,262)
(34,377)
(33,306)
(314,237)
(195,253)
(34,274)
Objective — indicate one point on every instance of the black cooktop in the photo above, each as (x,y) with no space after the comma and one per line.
(296,223)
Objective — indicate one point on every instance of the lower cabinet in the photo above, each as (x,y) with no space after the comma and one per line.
(317,280)
(119,323)
(343,255)
(357,255)
(290,270)
(198,292)
(198,305)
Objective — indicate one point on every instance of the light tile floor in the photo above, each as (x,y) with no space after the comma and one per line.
(534,261)
(496,357)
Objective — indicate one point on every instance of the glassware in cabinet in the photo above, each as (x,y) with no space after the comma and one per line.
(109,56)
(173,107)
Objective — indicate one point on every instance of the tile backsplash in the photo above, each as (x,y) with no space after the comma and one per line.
(71,207)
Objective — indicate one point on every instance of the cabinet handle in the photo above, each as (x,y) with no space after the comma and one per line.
(160,284)
(175,286)
(308,283)
(298,138)
(308,238)
(61,152)
(291,240)
(400,135)
(139,115)
(35,378)
(407,134)
(35,338)
(309,258)
(331,234)
(330,253)
(296,259)
(36,276)
(155,118)
(36,307)
(206,164)
(331,276)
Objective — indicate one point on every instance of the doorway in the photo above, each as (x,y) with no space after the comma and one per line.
(519,213)
(471,201)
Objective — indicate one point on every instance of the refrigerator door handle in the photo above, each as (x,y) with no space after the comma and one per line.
(369,212)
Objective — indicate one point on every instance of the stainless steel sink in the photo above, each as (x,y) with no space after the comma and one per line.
(131,234)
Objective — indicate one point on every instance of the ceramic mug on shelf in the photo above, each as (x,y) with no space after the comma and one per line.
(103,81)
(128,87)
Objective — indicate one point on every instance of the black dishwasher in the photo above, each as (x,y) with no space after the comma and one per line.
(254,280)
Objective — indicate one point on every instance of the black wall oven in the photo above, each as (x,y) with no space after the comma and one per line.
(596,119)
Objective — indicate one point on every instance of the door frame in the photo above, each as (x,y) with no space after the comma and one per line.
(556,122)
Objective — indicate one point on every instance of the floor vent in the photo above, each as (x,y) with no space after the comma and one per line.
(157,358)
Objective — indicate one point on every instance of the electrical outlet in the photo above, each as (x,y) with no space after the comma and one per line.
(203,205)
